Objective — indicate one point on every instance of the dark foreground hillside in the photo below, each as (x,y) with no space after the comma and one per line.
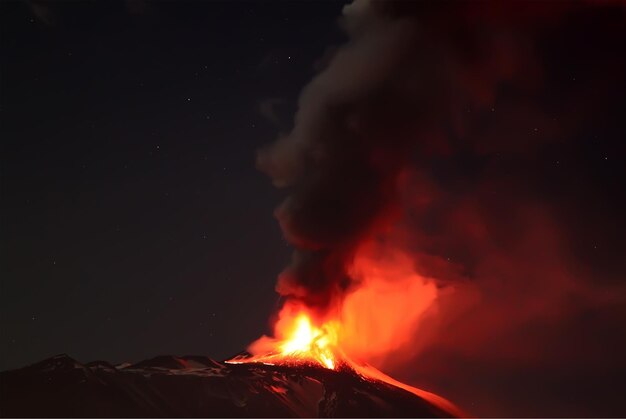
(196,386)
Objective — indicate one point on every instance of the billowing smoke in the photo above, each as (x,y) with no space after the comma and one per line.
(460,133)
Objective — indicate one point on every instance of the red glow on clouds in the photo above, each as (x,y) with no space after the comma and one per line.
(434,236)
(380,316)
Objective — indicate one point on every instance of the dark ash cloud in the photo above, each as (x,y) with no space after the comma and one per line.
(461,132)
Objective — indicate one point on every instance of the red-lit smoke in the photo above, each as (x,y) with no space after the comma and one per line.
(418,204)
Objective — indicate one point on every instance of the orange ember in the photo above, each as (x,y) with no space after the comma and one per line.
(373,322)
(309,342)
(301,342)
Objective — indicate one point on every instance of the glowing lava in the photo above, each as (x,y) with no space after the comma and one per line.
(307,344)
(373,320)
(301,343)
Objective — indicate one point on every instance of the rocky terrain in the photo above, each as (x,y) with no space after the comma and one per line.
(197,386)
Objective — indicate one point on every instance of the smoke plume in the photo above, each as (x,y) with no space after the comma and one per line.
(458,135)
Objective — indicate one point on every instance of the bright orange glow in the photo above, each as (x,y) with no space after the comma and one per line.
(307,341)
(299,341)
(375,320)
(380,318)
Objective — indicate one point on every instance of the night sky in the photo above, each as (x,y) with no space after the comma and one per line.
(135,221)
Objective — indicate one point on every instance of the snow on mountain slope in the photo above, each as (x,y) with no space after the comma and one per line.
(196,386)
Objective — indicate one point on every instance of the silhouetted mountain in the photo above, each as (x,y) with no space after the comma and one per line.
(197,386)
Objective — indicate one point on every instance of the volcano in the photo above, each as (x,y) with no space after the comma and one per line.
(197,386)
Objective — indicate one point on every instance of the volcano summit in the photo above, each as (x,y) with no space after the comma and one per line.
(197,386)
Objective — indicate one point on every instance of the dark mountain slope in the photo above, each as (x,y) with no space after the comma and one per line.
(196,386)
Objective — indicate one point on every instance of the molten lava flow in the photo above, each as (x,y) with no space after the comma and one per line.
(300,342)
(372,321)
(309,342)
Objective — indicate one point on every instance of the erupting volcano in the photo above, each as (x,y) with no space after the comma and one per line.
(306,344)
(390,300)
(447,193)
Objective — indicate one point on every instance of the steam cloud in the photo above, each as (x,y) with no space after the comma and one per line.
(440,127)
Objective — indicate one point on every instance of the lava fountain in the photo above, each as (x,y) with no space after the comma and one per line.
(389,303)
